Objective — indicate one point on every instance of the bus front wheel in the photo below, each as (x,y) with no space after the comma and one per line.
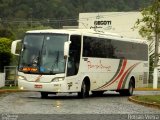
(84,91)
(44,95)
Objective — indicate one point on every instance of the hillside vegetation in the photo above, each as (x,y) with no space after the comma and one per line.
(21,15)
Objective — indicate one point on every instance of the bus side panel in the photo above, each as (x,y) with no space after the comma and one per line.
(114,74)
(99,70)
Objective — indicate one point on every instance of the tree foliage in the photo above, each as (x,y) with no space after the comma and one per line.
(5,53)
(149,25)
(64,8)
(21,15)
(6,33)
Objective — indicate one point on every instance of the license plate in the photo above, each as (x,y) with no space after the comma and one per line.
(37,86)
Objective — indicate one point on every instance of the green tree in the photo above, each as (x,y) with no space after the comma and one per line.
(5,53)
(149,26)
(6,33)
(23,27)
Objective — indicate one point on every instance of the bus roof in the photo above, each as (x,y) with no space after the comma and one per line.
(90,32)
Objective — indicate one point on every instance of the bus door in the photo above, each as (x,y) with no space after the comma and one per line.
(73,62)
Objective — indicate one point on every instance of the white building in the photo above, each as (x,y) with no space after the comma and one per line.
(116,22)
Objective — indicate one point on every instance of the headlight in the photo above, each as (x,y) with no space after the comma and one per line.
(57,79)
(21,77)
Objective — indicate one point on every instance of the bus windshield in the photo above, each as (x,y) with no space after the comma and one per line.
(43,53)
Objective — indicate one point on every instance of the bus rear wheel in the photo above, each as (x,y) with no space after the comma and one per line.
(129,91)
(130,88)
(84,91)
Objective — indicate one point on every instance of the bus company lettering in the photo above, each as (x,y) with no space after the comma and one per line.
(98,66)
(102,22)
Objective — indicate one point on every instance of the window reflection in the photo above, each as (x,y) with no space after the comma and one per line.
(107,48)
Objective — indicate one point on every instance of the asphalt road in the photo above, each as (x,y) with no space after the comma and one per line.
(63,104)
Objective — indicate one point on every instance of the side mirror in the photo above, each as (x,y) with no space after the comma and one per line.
(14,47)
(66,48)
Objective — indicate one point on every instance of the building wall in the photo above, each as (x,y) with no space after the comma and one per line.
(2,80)
(116,22)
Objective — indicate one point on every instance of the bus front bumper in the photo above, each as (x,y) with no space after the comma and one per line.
(43,87)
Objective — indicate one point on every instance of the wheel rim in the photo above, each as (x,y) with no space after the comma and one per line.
(84,90)
(130,88)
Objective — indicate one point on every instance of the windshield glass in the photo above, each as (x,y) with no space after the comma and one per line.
(43,53)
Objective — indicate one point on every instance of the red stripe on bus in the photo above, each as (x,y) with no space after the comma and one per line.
(120,73)
(122,78)
(117,72)
(124,75)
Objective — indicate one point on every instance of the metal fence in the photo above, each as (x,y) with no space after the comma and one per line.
(10,75)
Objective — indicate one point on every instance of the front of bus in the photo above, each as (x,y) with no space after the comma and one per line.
(42,65)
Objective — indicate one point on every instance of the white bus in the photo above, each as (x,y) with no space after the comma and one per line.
(81,61)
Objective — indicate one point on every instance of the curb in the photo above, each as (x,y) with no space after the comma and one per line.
(146,89)
(148,104)
(9,91)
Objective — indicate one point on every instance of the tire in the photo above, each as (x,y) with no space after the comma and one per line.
(44,95)
(97,93)
(122,92)
(84,91)
(129,91)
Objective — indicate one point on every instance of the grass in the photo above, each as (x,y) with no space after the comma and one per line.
(150,85)
(9,87)
(149,98)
